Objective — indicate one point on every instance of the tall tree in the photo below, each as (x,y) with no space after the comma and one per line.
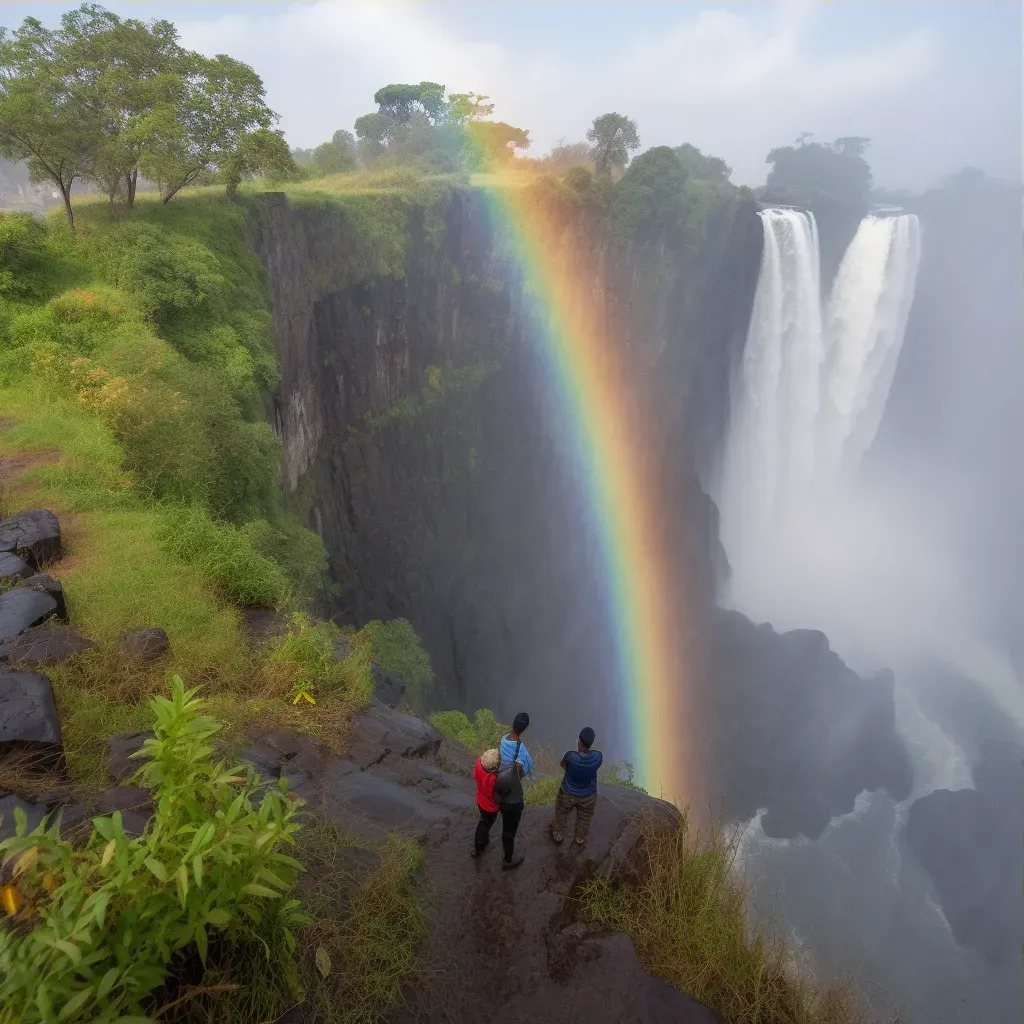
(260,152)
(613,136)
(494,143)
(132,68)
(835,169)
(704,168)
(219,102)
(47,112)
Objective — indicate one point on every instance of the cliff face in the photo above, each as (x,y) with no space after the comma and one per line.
(416,420)
(418,426)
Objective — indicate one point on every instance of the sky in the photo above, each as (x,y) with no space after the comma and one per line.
(935,85)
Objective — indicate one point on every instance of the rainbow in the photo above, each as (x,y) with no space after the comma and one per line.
(607,440)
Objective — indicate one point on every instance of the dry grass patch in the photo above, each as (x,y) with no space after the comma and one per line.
(686,911)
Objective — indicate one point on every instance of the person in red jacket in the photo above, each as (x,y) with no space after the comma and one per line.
(485,772)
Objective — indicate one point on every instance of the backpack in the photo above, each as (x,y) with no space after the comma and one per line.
(508,786)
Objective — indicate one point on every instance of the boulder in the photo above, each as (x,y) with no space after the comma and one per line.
(143,644)
(13,568)
(21,609)
(47,644)
(120,764)
(29,725)
(33,535)
(387,687)
(264,623)
(48,585)
(123,799)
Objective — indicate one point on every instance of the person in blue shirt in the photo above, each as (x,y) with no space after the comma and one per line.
(508,789)
(579,788)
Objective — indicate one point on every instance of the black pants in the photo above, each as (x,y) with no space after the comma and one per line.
(510,816)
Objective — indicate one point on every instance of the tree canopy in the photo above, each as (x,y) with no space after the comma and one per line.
(101,98)
(701,167)
(834,169)
(613,136)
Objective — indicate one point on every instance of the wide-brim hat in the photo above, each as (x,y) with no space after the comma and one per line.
(489,759)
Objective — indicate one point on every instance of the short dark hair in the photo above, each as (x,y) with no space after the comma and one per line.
(587,736)
(520,722)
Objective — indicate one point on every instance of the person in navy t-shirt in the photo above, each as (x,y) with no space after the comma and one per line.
(579,788)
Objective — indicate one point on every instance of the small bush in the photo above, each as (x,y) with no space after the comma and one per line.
(224,554)
(97,930)
(539,791)
(483,733)
(396,647)
(305,658)
(79,320)
(22,253)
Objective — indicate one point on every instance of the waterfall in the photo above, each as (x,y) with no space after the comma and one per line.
(809,394)
(864,324)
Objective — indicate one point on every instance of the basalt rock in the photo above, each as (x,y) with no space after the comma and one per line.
(21,609)
(47,644)
(121,765)
(969,841)
(29,725)
(46,584)
(13,568)
(33,535)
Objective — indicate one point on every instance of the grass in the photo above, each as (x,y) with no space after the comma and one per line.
(370,929)
(686,911)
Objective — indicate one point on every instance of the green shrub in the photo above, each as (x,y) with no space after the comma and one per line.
(477,736)
(396,648)
(306,655)
(298,551)
(541,790)
(167,273)
(79,320)
(23,254)
(224,554)
(100,928)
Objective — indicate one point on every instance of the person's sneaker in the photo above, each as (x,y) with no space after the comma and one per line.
(508,865)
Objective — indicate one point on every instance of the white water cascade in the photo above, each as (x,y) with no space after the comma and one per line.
(808,399)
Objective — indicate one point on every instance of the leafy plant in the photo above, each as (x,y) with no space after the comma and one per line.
(397,648)
(97,930)
(476,736)
(305,657)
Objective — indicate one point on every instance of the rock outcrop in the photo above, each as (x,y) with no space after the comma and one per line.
(794,730)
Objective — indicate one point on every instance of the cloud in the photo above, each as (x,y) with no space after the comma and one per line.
(735,84)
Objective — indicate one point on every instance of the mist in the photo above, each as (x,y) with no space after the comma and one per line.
(907,554)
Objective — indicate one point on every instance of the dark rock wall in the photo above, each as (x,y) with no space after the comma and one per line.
(454,504)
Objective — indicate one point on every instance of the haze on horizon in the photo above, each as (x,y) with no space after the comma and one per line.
(932,85)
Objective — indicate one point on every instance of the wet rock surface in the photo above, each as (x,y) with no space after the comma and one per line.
(506,942)
(47,644)
(29,725)
(13,568)
(144,644)
(21,609)
(46,584)
(33,535)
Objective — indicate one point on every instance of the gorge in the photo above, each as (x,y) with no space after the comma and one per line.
(419,434)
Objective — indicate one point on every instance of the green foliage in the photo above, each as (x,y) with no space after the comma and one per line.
(22,254)
(704,168)
(837,170)
(100,927)
(259,152)
(620,774)
(297,550)
(306,656)
(477,736)
(613,136)
(541,790)
(225,555)
(397,648)
(103,98)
